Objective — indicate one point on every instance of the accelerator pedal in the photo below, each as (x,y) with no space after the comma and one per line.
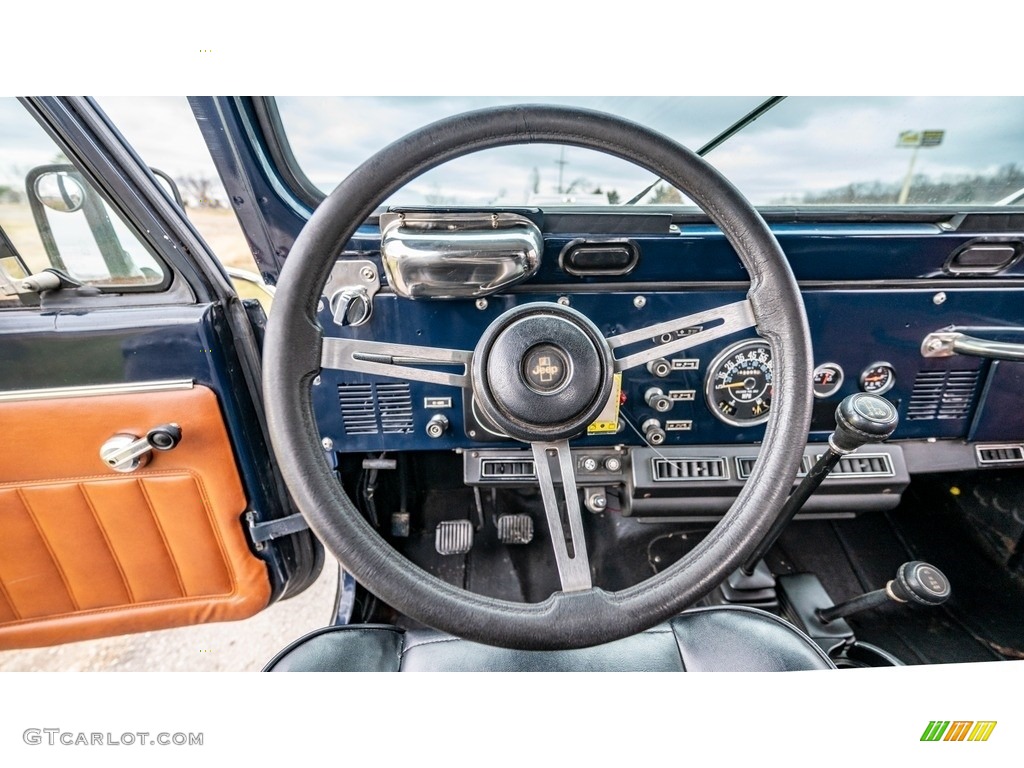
(515,529)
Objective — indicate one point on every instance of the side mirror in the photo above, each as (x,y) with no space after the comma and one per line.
(81,237)
(59,191)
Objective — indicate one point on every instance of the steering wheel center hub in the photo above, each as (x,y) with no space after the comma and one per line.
(546,369)
(542,372)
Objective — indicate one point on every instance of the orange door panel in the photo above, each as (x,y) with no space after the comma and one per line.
(86,551)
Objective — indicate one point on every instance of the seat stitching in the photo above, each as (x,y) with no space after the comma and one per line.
(432,642)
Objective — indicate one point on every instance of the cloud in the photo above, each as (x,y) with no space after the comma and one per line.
(806,144)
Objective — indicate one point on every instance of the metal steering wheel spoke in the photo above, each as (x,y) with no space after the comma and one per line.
(734,317)
(574,568)
(397,361)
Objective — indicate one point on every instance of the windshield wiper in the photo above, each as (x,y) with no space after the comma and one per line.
(720,139)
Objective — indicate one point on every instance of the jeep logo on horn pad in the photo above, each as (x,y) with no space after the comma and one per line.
(545,369)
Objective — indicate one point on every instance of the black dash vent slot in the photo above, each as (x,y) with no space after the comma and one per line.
(683,470)
(371,409)
(942,395)
(507,469)
(865,465)
(1000,454)
(745,465)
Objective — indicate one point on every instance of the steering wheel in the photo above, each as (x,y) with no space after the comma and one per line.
(579,615)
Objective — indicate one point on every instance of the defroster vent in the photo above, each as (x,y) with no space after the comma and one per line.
(683,470)
(371,409)
(864,465)
(943,395)
(507,469)
(1000,454)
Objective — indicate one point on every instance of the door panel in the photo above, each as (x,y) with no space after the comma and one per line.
(86,551)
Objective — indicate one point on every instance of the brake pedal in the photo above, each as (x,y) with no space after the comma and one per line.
(453,537)
(515,529)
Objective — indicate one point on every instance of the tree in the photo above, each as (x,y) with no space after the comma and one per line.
(9,194)
(666,194)
(198,191)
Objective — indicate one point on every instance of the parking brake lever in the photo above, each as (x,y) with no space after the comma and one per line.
(861,418)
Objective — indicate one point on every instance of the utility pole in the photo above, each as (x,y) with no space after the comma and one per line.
(561,162)
(905,191)
(915,140)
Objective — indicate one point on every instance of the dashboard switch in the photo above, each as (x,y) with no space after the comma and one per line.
(437,425)
(658,400)
(660,367)
(653,433)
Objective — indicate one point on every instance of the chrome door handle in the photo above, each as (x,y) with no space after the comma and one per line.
(949,343)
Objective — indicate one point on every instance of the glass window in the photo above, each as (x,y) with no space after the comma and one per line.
(163,130)
(861,152)
(52,217)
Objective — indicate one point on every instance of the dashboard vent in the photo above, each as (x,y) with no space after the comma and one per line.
(683,470)
(942,395)
(369,409)
(999,454)
(358,412)
(745,465)
(507,469)
(395,406)
(865,465)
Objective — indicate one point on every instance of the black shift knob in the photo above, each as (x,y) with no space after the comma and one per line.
(863,418)
(916,582)
(921,583)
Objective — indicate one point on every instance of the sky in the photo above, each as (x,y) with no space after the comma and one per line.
(805,144)
(802,145)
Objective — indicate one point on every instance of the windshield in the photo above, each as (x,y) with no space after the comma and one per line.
(805,151)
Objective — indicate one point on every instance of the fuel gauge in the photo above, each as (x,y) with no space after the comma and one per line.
(828,378)
(878,378)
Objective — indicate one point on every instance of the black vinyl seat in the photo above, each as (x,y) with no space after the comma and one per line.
(720,639)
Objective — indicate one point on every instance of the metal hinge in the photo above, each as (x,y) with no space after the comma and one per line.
(260,533)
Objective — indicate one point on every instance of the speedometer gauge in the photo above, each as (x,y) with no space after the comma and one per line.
(739,383)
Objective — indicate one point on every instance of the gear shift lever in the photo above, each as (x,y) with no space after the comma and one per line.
(916,582)
(860,419)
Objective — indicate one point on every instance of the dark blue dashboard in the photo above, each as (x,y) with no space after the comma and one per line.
(872,290)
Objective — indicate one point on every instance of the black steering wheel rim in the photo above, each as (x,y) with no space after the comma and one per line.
(565,620)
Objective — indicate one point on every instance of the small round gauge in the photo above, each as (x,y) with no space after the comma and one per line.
(739,383)
(878,378)
(828,378)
